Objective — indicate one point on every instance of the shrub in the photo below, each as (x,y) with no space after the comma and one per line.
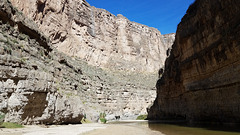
(102,118)
(142,117)
(8,124)
(11,125)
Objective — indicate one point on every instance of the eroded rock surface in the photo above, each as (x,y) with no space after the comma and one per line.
(201,81)
(97,36)
(38,84)
(30,70)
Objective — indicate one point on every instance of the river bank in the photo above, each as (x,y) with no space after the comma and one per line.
(124,129)
(53,129)
(82,129)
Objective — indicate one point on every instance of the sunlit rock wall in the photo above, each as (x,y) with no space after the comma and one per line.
(97,36)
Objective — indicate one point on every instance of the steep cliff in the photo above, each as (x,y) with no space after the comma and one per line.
(30,70)
(97,36)
(38,84)
(202,77)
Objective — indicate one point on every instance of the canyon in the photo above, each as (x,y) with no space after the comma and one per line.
(201,81)
(97,36)
(61,61)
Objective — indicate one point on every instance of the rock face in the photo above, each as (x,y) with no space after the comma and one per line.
(38,84)
(202,77)
(30,70)
(97,36)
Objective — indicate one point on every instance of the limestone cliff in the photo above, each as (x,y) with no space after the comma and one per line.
(38,84)
(29,76)
(97,36)
(201,81)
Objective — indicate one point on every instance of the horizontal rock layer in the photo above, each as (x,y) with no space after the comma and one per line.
(38,84)
(29,76)
(202,77)
(97,36)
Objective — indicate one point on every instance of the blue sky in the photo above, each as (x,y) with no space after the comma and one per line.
(161,14)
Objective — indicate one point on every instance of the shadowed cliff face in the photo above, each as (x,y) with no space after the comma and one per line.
(97,36)
(202,77)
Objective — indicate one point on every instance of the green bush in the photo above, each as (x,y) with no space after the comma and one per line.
(8,124)
(11,125)
(142,117)
(102,118)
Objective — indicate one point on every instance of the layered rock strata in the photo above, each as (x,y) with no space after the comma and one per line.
(39,85)
(29,74)
(97,36)
(201,81)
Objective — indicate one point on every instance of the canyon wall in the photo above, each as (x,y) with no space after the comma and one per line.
(29,72)
(201,81)
(40,85)
(97,36)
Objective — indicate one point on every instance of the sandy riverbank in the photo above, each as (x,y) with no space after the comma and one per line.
(119,129)
(83,129)
(53,130)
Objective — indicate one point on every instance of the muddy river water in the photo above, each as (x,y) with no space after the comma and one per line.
(172,128)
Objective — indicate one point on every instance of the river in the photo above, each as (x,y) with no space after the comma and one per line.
(182,129)
(170,128)
(125,128)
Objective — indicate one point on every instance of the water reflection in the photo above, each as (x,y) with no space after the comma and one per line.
(203,129)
